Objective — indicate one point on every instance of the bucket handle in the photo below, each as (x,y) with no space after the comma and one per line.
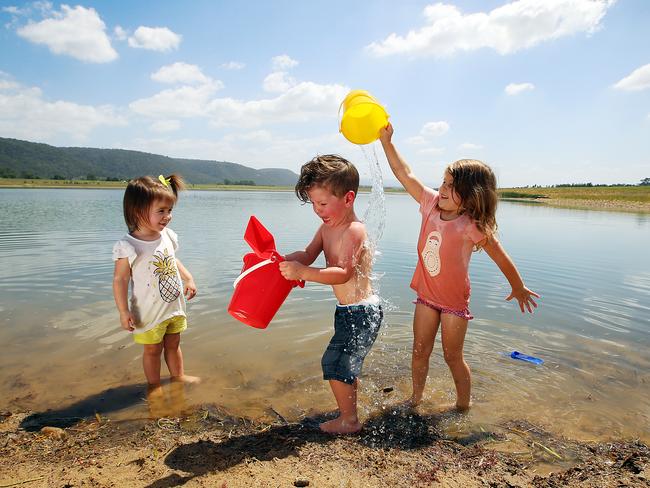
(251,269)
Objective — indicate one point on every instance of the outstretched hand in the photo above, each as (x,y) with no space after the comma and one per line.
(525,298)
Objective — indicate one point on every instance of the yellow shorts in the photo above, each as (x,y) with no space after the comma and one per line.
(176,324)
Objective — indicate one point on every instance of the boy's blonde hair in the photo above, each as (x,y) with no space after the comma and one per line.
(333,172)
(476,185)
(142,192)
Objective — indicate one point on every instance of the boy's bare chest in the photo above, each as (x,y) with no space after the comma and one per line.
(332,253)
(332,245)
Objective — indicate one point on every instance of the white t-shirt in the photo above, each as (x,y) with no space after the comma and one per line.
(156,286)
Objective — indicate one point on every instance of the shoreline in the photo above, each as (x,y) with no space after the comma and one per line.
(208,446)
(564,198)
(586,204)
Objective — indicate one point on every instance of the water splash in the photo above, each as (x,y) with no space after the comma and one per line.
(375,214)
(374,218)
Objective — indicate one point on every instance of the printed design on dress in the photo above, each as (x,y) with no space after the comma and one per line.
(168,283)
(431,253)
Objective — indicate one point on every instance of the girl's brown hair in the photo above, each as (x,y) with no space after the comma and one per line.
(142,192)
(476,185)
(335,173)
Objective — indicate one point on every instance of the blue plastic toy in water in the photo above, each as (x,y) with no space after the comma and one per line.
(524,357)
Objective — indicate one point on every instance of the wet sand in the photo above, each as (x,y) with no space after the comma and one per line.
(208,446)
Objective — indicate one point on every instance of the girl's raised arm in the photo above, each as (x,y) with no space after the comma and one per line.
(400,168)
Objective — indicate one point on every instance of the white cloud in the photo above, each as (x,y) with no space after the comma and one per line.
(639,79)
(119,33)
(183,102)
(155,39)
(429,130)
(283,62)
(6,85)
(297,102)
(517,25)
(278,82)
(44,8)
(180,73)
(259,148)
(517,88)
(300,103)
(431,151)
(78,32)
(25,114)
(169,125)
(469,146)
(233,65)
(416,140)
(12,10)
(434,128)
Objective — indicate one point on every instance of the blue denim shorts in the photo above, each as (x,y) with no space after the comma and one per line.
(355,330)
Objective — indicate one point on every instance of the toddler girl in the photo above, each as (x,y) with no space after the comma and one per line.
(145,259)
(456,220)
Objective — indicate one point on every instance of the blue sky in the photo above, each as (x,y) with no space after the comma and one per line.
(545,91)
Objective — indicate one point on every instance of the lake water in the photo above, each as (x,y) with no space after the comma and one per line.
(63,345)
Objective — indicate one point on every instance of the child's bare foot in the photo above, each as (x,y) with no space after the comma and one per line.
(340,426)
(156,401)
(190,380)
(463,408)
(177,402)
(408,404)
(454,408)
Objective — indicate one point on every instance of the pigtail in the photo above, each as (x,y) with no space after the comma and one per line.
(175,183)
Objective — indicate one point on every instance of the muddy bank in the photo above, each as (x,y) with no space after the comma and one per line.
(210,447)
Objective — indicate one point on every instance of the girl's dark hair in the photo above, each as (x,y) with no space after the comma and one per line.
(142,192)
(476,185)
(335,173)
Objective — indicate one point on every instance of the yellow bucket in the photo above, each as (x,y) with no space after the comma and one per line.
(363,117)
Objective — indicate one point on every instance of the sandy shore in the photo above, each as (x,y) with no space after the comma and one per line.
(210,447)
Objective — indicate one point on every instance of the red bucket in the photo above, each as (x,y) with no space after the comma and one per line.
(260,289)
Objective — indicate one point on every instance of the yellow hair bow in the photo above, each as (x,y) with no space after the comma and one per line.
(164,181)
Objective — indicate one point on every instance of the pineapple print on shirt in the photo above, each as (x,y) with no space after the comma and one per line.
(168,283)
(431,253)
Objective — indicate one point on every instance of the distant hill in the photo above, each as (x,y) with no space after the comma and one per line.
(23,159)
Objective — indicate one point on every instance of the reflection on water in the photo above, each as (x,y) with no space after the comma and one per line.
(591,268)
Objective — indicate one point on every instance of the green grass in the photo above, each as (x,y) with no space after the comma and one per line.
(42,183)
(519,194)
(602,193)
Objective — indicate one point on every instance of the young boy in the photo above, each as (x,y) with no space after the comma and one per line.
(330,183)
